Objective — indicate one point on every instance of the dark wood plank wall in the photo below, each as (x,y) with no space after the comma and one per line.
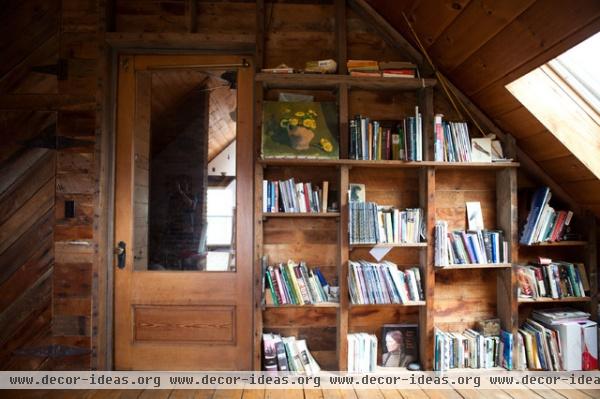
(27,185)
(483,45)
(47,260)
(26,252)
(512,38)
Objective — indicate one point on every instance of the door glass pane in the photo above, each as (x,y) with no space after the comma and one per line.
(185,175)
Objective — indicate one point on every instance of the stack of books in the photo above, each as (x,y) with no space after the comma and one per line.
(383,283)
(469,247)
(291,197)
(558,339)
(362,353)
(548,279)
(387,140)
(451,141)
(471,349)
(374,224)
(398,69)
(543,222)
(293,284)
(386,69)
(363,68)
(287,354)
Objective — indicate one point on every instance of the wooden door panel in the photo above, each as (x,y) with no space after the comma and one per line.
(178,320)
(176,324)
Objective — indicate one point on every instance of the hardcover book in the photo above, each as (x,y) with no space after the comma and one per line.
(400,343)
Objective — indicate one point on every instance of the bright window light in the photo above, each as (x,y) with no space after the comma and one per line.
(564,95)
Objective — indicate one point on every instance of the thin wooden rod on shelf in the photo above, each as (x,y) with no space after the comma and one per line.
(442,79)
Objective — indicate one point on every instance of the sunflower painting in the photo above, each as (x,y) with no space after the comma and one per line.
(300,130)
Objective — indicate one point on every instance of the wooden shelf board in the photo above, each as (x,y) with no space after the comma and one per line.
(470,370)
(398,245)
(551,300)
(558,244)
(267,215)
(476,266)
(387,305)
(472,165)
(314,305)
(384,164)
(332,81)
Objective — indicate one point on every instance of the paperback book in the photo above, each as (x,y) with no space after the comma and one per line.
(295,284)
(287,354)
(383,283)
(471,349)
(386,140)
(370,223)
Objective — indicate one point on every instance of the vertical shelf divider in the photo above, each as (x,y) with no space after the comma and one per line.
(342,316)
(258,178)
(426,313)
(426,108)
(591,259)
(506,219)
(258,251)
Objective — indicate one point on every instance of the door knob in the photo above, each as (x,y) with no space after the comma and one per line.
(121,252)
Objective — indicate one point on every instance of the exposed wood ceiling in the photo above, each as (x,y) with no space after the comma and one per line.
(482,45)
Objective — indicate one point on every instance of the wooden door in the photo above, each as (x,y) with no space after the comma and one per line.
(172,311)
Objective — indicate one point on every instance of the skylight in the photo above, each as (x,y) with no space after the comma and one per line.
(564,95)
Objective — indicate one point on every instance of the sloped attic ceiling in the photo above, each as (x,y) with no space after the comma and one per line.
(482,45)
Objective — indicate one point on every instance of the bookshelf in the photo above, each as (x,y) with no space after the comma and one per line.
(455,296)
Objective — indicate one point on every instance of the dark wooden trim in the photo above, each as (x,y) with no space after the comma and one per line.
(217,43)
(342,271)
(591,259)
(323,82)
(426,313)
(46,102)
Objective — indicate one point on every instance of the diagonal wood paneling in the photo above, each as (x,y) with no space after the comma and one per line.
(26,254)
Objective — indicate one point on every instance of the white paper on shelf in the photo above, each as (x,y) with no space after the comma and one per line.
(379,252)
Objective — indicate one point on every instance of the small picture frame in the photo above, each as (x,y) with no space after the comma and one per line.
(400,345)
(357,192)
(481,150)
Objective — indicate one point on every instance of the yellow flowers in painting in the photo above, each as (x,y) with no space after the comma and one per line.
(306,119)
(326,145)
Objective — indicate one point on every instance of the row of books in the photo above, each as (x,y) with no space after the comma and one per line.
(381,283)
(472,349)
(451,141)
(387,140)
(374,224)
(558,339)
(468,247)
(386,69)
(544,223)
(287,354)
(552,280)
(293,284)
(291,197)
(362,353)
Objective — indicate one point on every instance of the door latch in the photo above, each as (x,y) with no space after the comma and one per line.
(121,253)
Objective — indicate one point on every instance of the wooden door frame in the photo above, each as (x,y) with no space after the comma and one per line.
(103,290)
